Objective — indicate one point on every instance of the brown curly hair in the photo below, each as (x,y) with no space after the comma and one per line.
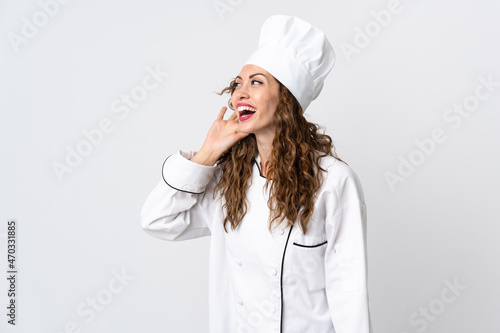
(296,151)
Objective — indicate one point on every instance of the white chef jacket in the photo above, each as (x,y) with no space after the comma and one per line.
(284,281)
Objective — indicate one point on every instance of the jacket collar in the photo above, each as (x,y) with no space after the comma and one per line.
(256,160)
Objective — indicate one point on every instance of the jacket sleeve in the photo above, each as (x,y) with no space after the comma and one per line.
(346,272)
(181,205)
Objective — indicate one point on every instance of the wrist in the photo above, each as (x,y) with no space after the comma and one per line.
(205,157)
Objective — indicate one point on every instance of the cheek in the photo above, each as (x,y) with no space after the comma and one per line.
(271,109)
(267,116)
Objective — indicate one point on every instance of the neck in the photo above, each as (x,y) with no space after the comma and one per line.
(265,148)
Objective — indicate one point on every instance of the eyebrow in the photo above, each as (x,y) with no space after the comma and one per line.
(251,76)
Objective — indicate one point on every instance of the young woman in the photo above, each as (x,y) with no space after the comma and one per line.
(287,217)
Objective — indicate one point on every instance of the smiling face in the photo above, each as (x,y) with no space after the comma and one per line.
(255,98)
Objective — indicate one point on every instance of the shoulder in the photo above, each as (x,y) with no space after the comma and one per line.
(341,179)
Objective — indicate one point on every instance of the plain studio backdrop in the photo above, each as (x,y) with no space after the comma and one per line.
(94,95)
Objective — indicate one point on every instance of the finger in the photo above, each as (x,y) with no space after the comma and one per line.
(233,116)
(222,112)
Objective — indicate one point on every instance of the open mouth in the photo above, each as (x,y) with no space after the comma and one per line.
(246,112)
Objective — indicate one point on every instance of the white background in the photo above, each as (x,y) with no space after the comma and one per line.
(76,231)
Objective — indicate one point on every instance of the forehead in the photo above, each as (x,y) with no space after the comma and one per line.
(253,70)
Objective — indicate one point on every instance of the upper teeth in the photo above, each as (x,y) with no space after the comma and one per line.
(244,107)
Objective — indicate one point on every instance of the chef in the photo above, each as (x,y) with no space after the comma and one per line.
(286,216)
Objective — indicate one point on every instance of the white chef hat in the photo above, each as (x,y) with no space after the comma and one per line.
(296,53)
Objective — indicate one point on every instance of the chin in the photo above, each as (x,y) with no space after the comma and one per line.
(244,129)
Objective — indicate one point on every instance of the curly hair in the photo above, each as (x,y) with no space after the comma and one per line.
(297,148)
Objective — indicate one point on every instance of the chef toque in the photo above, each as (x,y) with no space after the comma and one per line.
(296,53)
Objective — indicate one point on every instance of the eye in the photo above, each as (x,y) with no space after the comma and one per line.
(235,84)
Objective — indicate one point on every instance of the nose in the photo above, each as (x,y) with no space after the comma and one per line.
(241,92)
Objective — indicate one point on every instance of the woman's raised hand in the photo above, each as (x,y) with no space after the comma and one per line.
(223,134)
